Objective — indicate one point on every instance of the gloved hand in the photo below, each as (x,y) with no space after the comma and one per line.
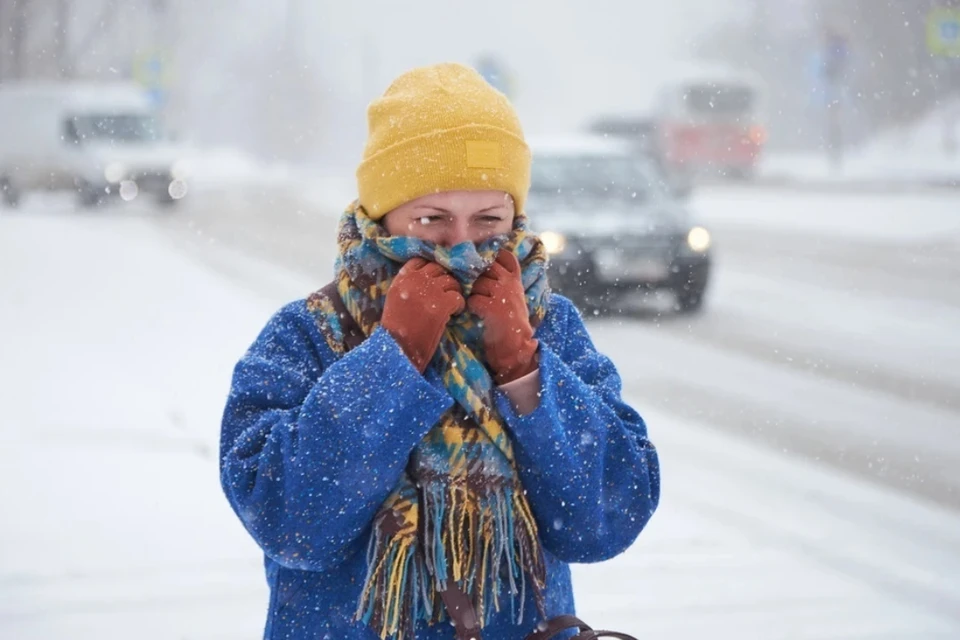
(420,301)
(499,300)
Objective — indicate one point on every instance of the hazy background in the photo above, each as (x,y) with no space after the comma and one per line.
(290,79)
(807,416)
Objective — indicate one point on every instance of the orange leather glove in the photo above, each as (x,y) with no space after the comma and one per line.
(499,300)
(420,302)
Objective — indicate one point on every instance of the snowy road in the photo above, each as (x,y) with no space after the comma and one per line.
(831,333)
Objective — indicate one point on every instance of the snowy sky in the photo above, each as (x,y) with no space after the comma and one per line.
(563,55)
(567,59)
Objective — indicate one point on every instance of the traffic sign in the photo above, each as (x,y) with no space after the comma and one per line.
(152,73)
(943,32)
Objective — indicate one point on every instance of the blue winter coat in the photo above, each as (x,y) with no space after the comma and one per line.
(311,446)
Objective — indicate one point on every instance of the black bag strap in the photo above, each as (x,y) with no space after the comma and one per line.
(466,624)
(352,334)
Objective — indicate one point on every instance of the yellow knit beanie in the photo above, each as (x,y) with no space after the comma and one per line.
(441,128)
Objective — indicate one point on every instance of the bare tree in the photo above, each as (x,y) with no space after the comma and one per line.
(108,12)
(61,39)
(44,38)
(13,38)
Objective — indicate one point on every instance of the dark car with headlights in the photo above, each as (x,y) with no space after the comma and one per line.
(612,226)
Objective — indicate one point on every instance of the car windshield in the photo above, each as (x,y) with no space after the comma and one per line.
(719,99)
(596,177)
(132,127)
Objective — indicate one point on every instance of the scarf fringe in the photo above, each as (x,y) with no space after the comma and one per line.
(485,543)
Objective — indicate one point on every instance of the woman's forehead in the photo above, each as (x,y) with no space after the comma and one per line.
(463,200)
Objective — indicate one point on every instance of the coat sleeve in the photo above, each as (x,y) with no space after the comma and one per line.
(307,453)
(592,475)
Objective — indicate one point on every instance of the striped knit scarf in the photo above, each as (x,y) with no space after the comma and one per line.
(459,512)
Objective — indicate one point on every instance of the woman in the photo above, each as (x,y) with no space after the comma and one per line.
(433,436)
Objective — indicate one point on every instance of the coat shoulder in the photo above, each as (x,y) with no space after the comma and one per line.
(294,330)
(560,312)
(562,322)
(293,318)
(562,306)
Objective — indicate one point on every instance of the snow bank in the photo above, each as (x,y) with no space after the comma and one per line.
(910,155)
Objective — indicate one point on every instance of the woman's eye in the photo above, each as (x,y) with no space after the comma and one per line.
(490,219)
(428,220)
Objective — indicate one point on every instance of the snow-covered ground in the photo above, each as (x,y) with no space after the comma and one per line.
(911,155)
(224,169)
(120,330)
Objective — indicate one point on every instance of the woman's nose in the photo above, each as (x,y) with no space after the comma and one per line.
(455,234)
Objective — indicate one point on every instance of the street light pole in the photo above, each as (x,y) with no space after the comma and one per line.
(835,59)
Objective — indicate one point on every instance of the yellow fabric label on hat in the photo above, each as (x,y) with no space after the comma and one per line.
(484,154)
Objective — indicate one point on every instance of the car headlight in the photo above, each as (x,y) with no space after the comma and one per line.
(180,170)
(114,172)
(553,242)
(698,239)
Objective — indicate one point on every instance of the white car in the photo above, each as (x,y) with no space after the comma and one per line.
(99,140)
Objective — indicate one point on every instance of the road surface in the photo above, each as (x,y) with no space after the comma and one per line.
(830,329)
(120,329)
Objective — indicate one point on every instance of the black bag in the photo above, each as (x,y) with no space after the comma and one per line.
(466,624)
(562,623)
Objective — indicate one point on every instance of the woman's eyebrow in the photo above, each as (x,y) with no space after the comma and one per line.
(437,209)
(489,209)
(431,207)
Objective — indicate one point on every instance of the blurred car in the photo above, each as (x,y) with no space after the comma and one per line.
(641,134)
(99,140)
(638,130)
(612,227)
(709,122)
